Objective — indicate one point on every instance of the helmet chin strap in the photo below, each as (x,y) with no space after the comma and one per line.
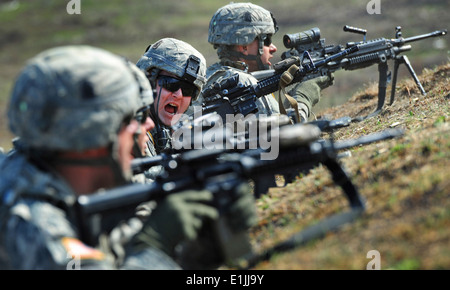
(261,65)
(258,60)
(136,149)
(257,57)
(162,136)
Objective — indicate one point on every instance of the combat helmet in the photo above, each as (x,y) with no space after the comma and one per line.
(177,57)
(240,24)
(73,98)
(145,89)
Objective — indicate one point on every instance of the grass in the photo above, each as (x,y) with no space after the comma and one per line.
(405,183)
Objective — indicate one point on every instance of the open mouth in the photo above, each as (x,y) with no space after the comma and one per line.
(171,108)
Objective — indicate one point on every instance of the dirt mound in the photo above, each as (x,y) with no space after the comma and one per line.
(405,184)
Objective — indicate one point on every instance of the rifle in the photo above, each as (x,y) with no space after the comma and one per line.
(231,97)
(375,51)
(220,171)
(253,133)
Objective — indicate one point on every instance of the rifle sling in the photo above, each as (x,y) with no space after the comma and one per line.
(285,80)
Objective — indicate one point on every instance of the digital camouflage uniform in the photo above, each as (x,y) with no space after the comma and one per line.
(232,25)
(67,98)
(175,56)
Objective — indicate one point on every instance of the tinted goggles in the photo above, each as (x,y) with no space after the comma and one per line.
(173,84)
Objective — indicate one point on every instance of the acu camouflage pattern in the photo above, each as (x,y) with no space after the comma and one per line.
(72,92)
(172,55)
(267,105)
(145,89)
(240,24)
(155,147)
(37,216)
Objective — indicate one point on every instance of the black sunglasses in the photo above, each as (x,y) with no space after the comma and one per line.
(173,84)
(267,38)
(142,114)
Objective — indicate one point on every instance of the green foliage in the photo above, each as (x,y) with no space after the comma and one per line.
(407,264)
(399,148)
(439,121)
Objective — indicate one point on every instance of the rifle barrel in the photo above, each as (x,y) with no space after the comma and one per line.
(374,137)
(139,165)
(427,35)
(117,198)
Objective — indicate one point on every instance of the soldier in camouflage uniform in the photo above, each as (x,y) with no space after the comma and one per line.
(142,139)
(242,34)
(73,109)
(233,34)
(177,72)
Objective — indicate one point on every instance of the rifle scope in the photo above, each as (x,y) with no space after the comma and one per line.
(302,38)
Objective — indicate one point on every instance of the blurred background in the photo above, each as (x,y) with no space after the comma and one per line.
(128,27)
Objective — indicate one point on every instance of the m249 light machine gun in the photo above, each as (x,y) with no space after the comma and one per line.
(375,51)
(229,96)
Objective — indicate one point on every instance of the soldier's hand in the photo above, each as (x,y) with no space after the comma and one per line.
(242,212)
(220,85)
(324,81)
(178,217)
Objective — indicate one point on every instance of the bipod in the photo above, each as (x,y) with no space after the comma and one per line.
(404,60)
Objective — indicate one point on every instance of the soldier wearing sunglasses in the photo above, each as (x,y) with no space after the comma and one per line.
(176,72)
(242,34)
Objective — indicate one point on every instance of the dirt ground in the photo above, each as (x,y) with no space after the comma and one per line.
(405,183)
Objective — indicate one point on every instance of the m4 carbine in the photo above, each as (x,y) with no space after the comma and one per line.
(375,51)
(220,171)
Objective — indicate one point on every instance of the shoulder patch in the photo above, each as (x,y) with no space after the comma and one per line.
(77,249)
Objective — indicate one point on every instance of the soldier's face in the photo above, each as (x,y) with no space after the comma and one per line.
(252,49)
(170,105)
(126,143)
(143,138)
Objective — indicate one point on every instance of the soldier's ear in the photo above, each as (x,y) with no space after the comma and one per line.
(243,49)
